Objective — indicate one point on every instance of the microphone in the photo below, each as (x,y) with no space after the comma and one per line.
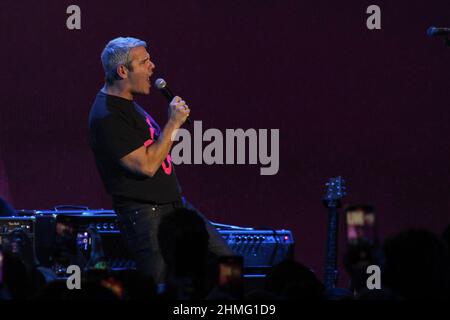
(161,85)
(433,31)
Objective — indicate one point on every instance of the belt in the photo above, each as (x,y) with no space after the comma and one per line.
(167,206)
(132,206)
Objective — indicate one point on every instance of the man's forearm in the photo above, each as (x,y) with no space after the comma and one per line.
(157,151)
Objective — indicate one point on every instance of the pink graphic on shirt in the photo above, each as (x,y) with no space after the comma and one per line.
(148,142)
(167,168)
(152,130)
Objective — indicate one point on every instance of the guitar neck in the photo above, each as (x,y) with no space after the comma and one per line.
(331,271)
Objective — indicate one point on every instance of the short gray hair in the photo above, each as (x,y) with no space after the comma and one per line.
(116,53)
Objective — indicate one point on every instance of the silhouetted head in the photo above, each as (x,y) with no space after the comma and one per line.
(292,280)
(6,209)
(446,236)
(15,276)
(416,265)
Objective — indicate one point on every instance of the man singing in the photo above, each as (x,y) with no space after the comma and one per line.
(132,154)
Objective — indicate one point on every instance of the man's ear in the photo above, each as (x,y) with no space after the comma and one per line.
(122,71)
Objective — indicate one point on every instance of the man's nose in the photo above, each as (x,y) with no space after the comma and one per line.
(152,66)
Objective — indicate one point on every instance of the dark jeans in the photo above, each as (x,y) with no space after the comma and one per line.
(139,226)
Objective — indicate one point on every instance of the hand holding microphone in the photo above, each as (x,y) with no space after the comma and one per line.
(178,109)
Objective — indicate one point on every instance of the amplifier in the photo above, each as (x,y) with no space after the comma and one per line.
(115,250)
(39,229)
(260,248)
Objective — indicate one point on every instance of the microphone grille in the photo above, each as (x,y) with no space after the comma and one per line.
(160,83)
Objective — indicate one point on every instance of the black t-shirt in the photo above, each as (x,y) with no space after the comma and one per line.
(118,126)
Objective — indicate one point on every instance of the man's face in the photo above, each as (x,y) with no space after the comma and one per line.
(141,70)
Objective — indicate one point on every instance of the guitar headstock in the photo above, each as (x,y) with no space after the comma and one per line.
(335,191)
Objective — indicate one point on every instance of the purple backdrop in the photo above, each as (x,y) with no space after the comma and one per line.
(369,105)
